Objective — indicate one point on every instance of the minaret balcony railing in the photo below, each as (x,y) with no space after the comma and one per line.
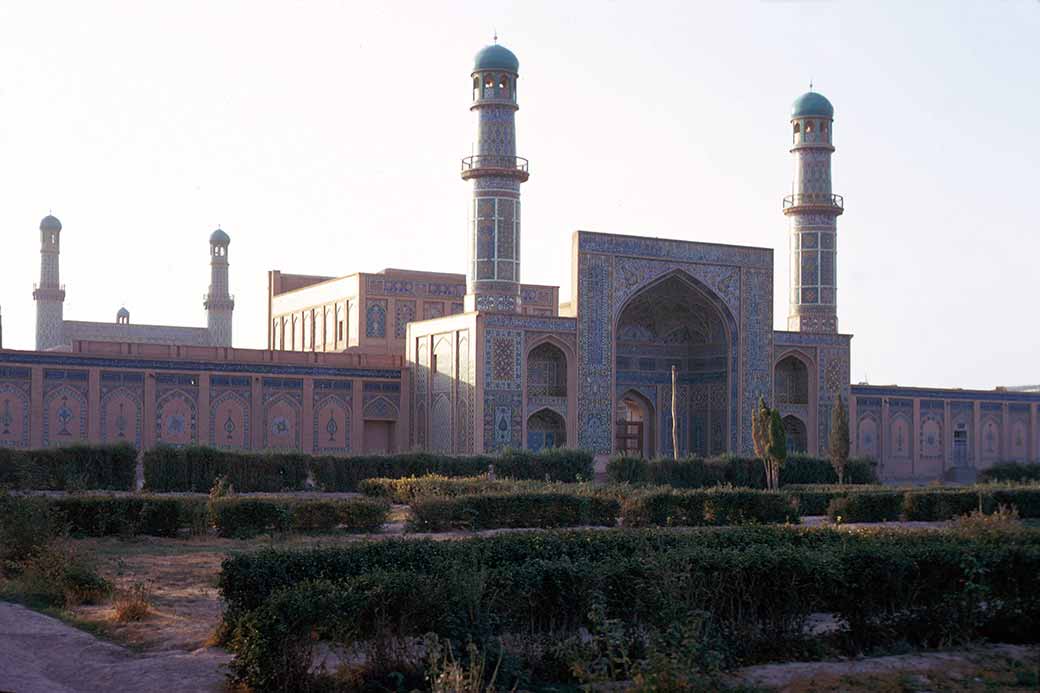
(494,164)
(814,200)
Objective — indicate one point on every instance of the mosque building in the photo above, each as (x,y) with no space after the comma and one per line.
(478,362)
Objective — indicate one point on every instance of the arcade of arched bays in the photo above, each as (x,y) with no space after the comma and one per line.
(455,363)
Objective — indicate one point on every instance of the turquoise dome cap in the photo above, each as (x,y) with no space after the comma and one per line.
(50,223)
(220,237)
(812,104)
(495,57)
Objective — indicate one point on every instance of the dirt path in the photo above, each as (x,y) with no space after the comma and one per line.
(40,654)
(985,668)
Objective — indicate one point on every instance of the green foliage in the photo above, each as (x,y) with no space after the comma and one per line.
(198,469)
(628,469)
(55,575)
(432,514)
(409,489)
(103,515)
(245,517)
(716,506)
(750,592)
(71,468)
(27,524)
(869,506)
(744,472)
(1011,472)
(839,438)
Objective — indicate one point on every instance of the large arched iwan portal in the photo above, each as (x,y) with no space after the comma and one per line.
(677,321)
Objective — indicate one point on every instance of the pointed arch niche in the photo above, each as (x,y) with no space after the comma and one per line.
(678,321)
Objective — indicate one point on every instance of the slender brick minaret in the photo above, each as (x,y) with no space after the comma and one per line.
(219,302)
(49,294)
(813,213)
(493,275)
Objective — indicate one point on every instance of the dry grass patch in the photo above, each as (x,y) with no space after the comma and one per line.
(131,604)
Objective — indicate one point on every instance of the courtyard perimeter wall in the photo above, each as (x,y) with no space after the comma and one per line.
(146,394)
(924,434)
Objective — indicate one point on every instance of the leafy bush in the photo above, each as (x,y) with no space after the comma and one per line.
(944,504)
(99,516)
(716,506)
(752,589)
(27,524)
(198,468)
(695,472)
(489,511)
(409,489)
(245,517)
(869,506)
(628,469)
(56,575)
(1011,471)
(75,467)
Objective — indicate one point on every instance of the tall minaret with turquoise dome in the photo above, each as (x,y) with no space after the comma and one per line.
(496,172)
(219,302)
(813,210)
(49,294)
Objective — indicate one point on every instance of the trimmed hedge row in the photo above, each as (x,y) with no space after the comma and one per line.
(246,517)
(488,511)
(160,516)
(196,468)
(75,467)
(932,504)
(411,488)
(1011,471)
(753,590)
(716,507)
(166,516)
(696,472)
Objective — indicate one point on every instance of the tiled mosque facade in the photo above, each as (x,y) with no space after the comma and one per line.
(453,363)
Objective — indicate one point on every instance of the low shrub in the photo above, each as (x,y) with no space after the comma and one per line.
(409,489)
(1024,499)
(869,506)
(715,507)
(925,589)
(101,515)
(487,511)
(744,472)
(245,517)
(1011,472)
(198,468)
(942,504)
(70,468)
(27,524)
(628,469)
(56,575)
(131,604)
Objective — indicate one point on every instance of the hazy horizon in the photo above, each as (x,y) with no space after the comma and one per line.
(325,138)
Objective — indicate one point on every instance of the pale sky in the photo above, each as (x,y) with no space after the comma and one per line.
(325,138)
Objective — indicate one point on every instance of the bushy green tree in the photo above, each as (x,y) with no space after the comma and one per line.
(839,438)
